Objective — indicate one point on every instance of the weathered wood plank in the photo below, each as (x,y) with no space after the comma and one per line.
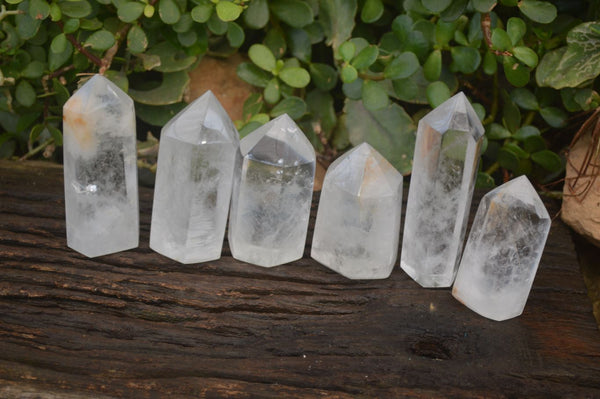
(136,324)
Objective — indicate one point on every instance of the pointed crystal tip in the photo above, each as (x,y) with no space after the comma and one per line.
(97,92)
(521,189)
(280,142)
(456,113)
(202,121)
(364,172)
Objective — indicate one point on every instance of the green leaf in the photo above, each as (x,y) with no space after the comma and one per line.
(295,107)
(295,77)
(465,59)
(484,181)
(252,105)
(295,13)
(437,93)
(25,94)
(202,12)
(56,135)
(496,131)
(75,9)
(390,130)
(511,116)
(35,132)
(321,108)
(59,43)
(547,160)
(61,92)
(553,116)
(33,70)
(130,11)
(349,74)
(257,14)
(228,11)
(526,131)
(137,42)
(272,92)
(262,56)
(55,12)
(517,74)
(489,63)
(253,75)
(27,27)
(324,76)
(168,12)
(508,159)
(516,28)
(171,59)
(483,5)
(56,60)
(275,41)
(235,35)
(372,10)
(436,6)
(433,66)
(374,96)
(366,57)
(526,55)
(90,24)
(543,12)
(157,115)
(347,51)
(300,45)
(71,25)
(575,64)
(534,144)
(149,10)
(500,40)
(39,9)
(525,99)
(518,151)
(101,40)
(170,91)
(337,17)
(454,10)
(403,66)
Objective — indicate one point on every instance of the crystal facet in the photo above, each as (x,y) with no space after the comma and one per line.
(271,198)
(358,221)
(194,176)
(441,186)
(101,198)
(503,251)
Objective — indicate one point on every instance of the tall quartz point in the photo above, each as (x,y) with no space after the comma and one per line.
(101,197)
(503,251)
(358,222)
(194,176)
(441,186)
(271,198)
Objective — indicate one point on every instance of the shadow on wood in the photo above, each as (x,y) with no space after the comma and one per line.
(136,324)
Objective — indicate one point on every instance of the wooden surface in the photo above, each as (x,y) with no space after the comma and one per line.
(136,324)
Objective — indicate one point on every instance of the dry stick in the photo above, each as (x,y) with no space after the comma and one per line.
(486,27)
(111,52)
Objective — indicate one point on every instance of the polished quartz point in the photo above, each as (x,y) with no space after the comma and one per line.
(272,194)
(101,197)
(441,186)
(358,220)
(194,176)
(503,251)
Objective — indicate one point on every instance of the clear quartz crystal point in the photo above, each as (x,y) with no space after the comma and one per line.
(194,176)
(503,251)
(441,186)
(101,197)
(358,220)
(271,198)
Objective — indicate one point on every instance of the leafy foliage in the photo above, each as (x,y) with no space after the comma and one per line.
(347,71)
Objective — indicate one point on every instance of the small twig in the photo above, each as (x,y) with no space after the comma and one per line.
(494,108)
(111,52)
(45,80)
(494,167)
(80,47)
(5,13)
(486,27)
(37,149)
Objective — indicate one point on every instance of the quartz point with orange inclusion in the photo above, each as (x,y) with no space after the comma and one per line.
(101,193)
(503,251)
(358,221)
(196,160)
(272,193)
(441,187)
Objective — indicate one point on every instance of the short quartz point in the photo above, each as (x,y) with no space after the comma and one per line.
(441,187)
(503,251)
(194,177)
(101,194)
(358,221)
(271,199)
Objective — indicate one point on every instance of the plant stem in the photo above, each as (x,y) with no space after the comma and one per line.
(494,109)
(529,118)
(494,167)
(80,47)
(5,13)
(37,149)
(486,27)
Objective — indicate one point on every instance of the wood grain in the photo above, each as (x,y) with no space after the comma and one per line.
(136,324)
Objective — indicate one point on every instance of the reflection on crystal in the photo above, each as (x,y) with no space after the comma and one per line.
(358,221)
(271,198)
(443,177)
(100,170)
(194,176)
(503,251)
